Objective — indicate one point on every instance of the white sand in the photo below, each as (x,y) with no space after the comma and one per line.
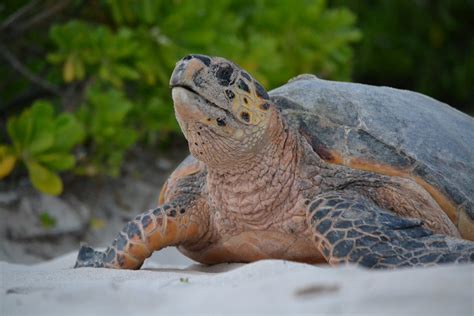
(266,287)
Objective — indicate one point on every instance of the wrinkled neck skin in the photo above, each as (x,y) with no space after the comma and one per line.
(258,190)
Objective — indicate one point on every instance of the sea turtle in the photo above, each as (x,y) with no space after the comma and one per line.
(315,171)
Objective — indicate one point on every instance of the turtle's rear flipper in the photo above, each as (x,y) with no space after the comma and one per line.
(88,257)
(350,228)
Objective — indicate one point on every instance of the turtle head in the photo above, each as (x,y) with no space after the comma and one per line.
(223,112)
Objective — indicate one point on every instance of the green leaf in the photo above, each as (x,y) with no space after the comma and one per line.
(47,221)
(7,161)
(69,71)
(68,132)
(42,131)
(57,161)
(32,131)
(44,179)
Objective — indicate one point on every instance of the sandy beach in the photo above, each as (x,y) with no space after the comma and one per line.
(169,284)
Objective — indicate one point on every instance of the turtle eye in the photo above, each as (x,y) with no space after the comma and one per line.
(230,94)
(265,106)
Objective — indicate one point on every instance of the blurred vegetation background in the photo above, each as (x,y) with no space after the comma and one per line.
(84,82)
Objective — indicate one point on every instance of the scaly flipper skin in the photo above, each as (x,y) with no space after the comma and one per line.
(181,221)
(349,228)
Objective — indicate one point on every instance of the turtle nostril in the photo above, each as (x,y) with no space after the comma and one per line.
(188,57)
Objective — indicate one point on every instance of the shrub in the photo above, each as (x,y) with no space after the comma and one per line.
(43,142)
(117,57)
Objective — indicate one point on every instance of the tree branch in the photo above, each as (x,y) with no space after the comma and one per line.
(17,14)
(59,6)
(23,70)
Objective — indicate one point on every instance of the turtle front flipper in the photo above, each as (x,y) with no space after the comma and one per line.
(88,257)
(179,222)
(350,228)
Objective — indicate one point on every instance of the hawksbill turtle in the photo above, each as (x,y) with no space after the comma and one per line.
(315,171)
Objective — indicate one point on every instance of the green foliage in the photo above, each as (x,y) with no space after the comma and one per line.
(86,49)
(426,46)
(43,142)
(118,56)
(104,117)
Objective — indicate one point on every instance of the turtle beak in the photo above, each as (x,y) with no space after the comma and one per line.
(183,73)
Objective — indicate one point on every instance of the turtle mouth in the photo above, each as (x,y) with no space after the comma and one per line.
(207,101)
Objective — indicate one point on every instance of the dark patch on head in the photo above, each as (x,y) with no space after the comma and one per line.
(265,106)
(187,57)
(343,248)
(206,60)
(261,91)
(172,213)
(110,255)
(224,73)
(165,207)
(197,79)
(245,116)
(132,230)
(306,202)
(146,221)
(230,94)
(324,226)
(182,211)
(243,86)
(246,75)
(220,121)
(246,101)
